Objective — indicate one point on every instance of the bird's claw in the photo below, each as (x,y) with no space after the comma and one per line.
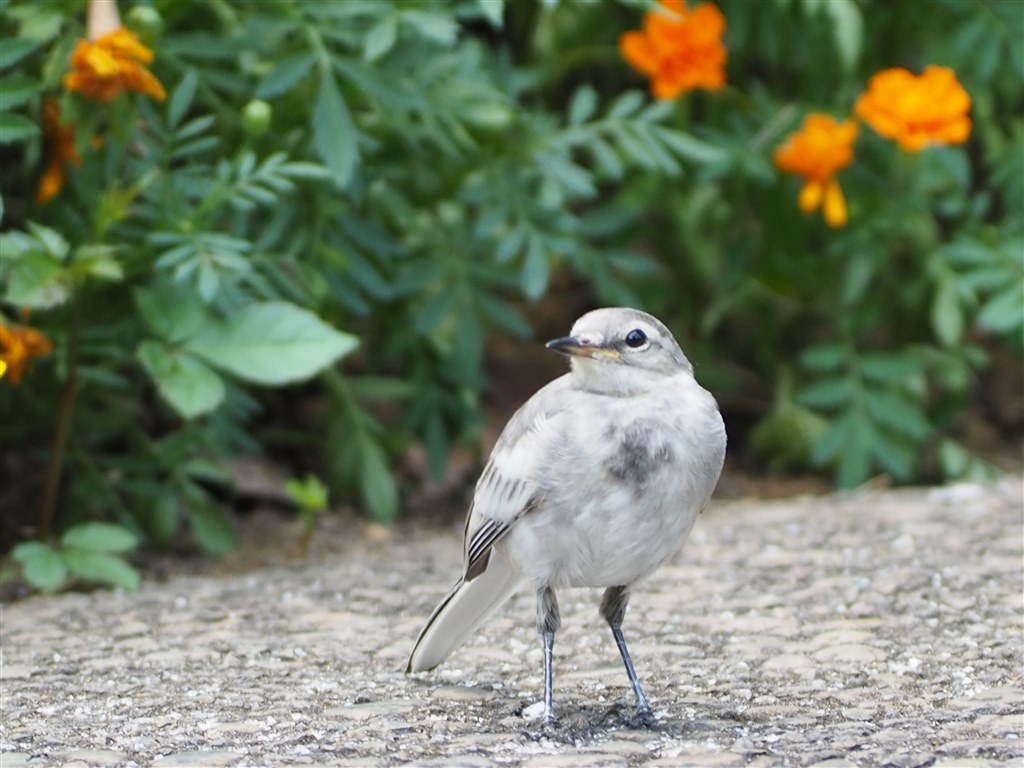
(642,718)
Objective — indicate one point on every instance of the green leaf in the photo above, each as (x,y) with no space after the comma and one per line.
(211,527)
(38,22)
(171,312)
(37,281)
(309,493)
(100,537)
(534,277)
(377,388)
(381,38)
(784,438)
(686,146)
(208,471)
(825,393)
(183,381)
(285,74)
(52,241)
(377,484)
(14,50)
(889,367)
(855,458)
(98,262)
(824,357)
(102,567)
(510,244)
(831,443)
(438,27)
(897,414)
(162,519)
(606,158)
(42,565)
(15,128)
(271,343)
(1004,312)
(848,28)
(181,98)
(896,457)
(860,271)
(435,310)
(195,127)
(637,151)
(570,177)
(493,11)
(625,105)
(334,134)
(946,314)
(17,91)
(583,104)
(503,315)
(953,458)
(968,252)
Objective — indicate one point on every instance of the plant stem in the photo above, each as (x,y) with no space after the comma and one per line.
(61,431)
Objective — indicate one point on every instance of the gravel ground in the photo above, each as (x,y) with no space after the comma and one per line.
(867,629)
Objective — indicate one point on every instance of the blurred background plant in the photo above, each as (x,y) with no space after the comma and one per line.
(207,206)
(311,497)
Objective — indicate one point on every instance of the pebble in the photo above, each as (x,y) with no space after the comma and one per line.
(198,759)
(850,652)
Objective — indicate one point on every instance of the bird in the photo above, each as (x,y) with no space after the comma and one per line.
(595,481)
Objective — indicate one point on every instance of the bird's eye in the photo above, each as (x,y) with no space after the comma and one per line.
(636,338)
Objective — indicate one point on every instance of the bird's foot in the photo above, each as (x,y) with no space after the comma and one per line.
(643,717)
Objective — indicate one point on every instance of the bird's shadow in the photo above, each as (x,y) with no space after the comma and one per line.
(586,723)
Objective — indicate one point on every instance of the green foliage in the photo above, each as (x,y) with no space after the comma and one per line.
(310,494)
(883,326)
(88,552)
(339,201)
(311,497)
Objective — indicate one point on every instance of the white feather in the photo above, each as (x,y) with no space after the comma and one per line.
(467,606)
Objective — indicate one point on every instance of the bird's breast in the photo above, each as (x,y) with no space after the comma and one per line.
(619,493)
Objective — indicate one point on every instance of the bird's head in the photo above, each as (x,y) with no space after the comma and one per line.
(621,351)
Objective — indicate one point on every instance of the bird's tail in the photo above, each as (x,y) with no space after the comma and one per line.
(464,609)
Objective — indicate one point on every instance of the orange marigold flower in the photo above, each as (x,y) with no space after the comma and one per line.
(916,111)
(60,151)
(818,151)
(114,62)
(18,345)
(679,49)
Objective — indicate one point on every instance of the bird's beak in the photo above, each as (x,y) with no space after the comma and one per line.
(575,346)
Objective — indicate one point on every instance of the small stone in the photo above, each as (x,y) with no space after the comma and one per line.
(534,711)
(703,759)
(788,662)
(579,760)
(87,756)
(462,693)
(198,759)
(858,654)
(853,713)
(370,709)
(15,672)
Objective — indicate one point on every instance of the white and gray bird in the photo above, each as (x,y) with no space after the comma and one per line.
(595,482)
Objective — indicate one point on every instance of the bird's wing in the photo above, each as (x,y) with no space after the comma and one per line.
(509,486)
(507,490)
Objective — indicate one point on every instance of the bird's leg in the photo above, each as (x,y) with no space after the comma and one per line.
(548,622)
(613,609)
